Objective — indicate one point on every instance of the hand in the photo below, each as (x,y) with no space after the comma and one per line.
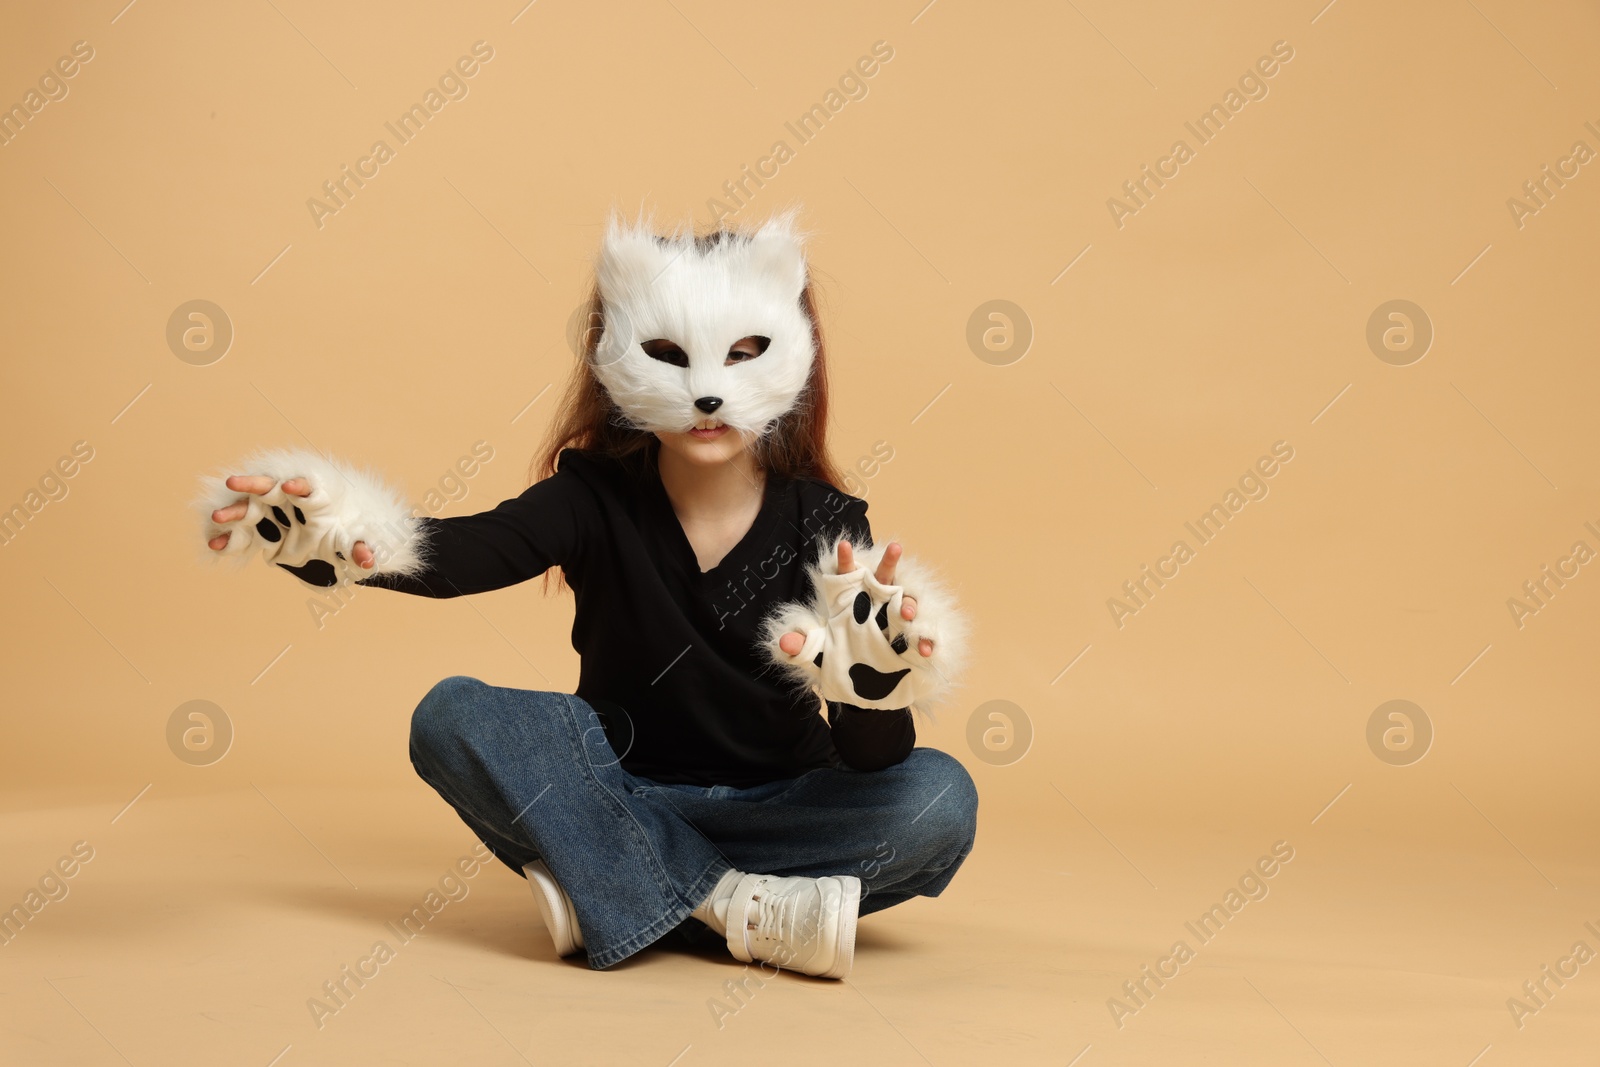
(260,485)
(793,641)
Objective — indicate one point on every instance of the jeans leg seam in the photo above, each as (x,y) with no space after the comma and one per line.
(616,803)
(657,867)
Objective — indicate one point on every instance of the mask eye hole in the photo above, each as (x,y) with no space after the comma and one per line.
(666,351)
(747,348)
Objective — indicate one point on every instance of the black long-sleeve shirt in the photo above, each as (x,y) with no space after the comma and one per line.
(670,654)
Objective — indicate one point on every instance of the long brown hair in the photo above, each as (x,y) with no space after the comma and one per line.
(795,447)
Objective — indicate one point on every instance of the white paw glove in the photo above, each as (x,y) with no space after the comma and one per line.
(858,649)
(313,537)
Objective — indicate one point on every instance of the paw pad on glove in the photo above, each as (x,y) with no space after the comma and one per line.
(313,536)
(858,648)
(868,682)
(860,661)
(864,604)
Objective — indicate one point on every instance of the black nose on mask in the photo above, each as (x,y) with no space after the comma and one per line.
(708,404)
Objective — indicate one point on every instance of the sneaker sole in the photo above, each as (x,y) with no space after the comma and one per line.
(547,893)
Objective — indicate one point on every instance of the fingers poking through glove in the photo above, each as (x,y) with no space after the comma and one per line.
(314,536)
(858,649)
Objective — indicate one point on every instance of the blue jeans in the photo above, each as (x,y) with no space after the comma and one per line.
(534,776)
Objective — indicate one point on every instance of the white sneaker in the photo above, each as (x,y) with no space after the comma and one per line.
(556,908)
(804,924)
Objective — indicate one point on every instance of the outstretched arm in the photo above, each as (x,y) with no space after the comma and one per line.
(330,523)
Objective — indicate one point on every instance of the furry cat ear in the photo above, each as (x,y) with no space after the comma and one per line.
(777,253)
(630,257)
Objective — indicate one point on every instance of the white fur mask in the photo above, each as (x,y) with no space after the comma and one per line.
(703,298)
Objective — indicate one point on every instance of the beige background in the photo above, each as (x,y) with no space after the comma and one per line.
(1230,312)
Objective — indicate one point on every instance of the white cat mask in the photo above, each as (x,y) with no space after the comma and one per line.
(703,297)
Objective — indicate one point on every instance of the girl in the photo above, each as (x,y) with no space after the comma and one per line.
(723,584)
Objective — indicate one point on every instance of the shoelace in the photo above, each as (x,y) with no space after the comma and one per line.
(775,918)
